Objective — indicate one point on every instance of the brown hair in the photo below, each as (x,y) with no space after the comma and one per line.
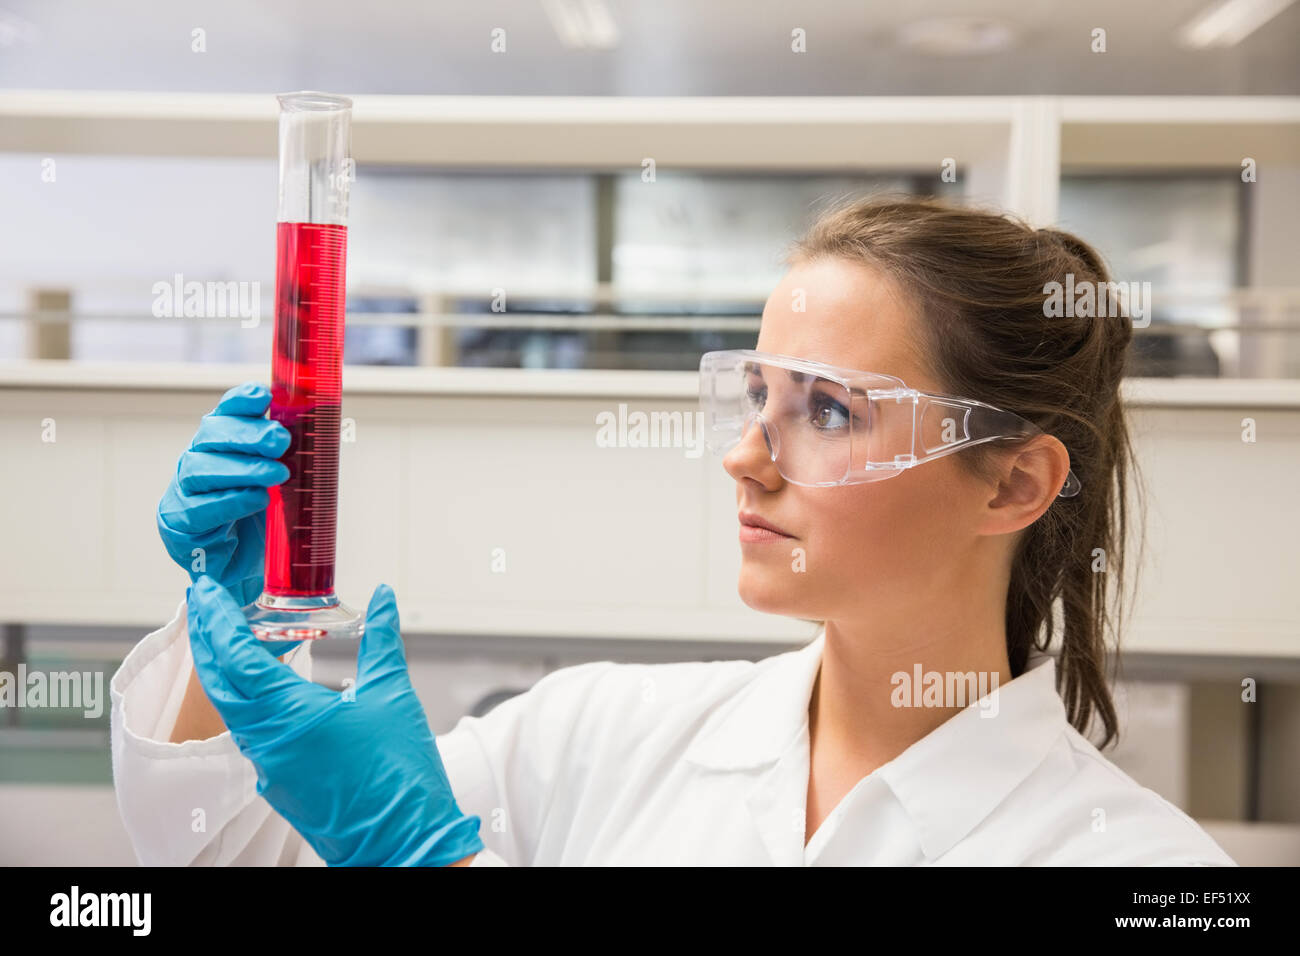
(978,280)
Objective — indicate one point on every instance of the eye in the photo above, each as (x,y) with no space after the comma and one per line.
(756,394)
(827,413)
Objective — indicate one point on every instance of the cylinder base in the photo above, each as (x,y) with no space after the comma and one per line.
(325,617)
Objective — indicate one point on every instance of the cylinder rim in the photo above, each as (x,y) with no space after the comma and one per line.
(311,100)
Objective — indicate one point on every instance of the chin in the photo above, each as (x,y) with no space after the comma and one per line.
(770,594)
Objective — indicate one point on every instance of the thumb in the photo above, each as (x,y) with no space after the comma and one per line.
(225,651)
(381,644)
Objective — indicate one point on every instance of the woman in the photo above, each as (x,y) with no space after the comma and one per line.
(922,725)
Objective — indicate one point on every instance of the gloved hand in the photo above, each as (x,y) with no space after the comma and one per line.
(358,775)
(217,499)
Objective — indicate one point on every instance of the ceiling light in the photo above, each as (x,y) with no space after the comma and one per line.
(956,36)
(1229,22)
(15,31)
(582,24)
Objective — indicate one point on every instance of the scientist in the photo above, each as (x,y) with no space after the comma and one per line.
(925,462)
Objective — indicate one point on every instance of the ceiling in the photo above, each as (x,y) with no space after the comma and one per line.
(665,48)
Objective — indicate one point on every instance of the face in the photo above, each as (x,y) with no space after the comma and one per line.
(850,549)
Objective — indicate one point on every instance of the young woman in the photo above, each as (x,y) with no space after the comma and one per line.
(925,461)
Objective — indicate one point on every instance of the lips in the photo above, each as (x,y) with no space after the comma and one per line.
(754,521)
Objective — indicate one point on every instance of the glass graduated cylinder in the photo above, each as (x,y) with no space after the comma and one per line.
(306,397)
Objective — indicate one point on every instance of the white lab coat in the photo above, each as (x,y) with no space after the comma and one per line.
(690,763)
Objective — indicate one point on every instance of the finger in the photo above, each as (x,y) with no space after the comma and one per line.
(245,436)
(247,720)
(220,691)
(219,624)
(250,398)
(201,471)
(235,709)
(203,514)
(382,652)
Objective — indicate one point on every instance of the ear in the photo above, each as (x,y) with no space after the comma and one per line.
(1028,481)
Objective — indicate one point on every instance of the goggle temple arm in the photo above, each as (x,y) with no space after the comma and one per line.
(970,422)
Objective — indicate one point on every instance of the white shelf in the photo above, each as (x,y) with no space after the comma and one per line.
(1010,149)
(576,383)
(446,466)
(580,132)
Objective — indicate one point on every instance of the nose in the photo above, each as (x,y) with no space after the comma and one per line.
(754,456)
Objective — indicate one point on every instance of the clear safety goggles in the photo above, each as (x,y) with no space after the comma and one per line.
(825,425)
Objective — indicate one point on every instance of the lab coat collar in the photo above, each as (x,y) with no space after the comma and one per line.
(761,722)
(948,781)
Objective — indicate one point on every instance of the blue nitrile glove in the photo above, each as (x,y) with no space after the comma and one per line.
(357,774)
(217,499)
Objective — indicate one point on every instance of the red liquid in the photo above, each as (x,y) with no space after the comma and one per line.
(306,392)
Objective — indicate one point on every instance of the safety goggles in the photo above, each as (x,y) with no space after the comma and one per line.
(826,426)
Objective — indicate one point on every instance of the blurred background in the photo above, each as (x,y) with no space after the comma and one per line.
(559,205)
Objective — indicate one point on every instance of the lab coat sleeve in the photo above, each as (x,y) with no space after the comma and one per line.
(193,803)
(519,767)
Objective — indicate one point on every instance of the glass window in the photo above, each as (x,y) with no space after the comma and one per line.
(1182,233)
(689,237)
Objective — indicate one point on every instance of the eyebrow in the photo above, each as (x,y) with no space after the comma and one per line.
(798,378)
